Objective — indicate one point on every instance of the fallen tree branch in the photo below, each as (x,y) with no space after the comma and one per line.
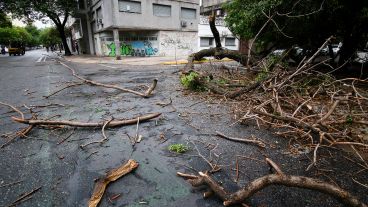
(145,95)
(37,122)
(293,181)
(253,141)
(68,86)
(218,53)
(274,179)
(110,176)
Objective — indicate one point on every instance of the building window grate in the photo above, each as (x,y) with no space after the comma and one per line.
(230,41)
(206,41)
(187,13)
(130,6)
(161,10)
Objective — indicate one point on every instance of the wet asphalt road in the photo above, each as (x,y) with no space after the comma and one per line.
(66,173)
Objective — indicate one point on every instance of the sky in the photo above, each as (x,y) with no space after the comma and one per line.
(38,24)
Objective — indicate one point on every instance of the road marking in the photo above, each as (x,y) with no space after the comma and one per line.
(108,66)
(39,59)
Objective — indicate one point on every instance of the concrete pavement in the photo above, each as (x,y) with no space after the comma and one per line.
(129,60)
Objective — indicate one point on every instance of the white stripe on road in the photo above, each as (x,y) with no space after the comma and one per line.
(39,59)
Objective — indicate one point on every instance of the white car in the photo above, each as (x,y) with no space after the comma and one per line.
(335,49)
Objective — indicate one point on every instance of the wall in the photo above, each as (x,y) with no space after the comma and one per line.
(132,43)
(142,44)
(180,44)
(146,19)
(130,48)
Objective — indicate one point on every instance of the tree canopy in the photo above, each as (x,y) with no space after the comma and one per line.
(57,10)
(305,23)
(4,20)
(49,36)
(14,34)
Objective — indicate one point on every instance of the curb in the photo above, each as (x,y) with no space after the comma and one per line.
(181,62)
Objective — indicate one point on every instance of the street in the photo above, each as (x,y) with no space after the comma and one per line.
(53,159)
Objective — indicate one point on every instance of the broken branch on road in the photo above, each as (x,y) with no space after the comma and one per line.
(114,123)
(111,176)
(146,94)
(279,178)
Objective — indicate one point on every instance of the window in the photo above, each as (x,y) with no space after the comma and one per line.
(229,41)
(206,41)
(161,10)
(187,13)
(130,6)
(99,13)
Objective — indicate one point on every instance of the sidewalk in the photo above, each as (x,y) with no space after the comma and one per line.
(153,60)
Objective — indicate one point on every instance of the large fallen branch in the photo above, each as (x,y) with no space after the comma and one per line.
(110,176)
(274,179)
(218,52)
(145,94)
(114,123)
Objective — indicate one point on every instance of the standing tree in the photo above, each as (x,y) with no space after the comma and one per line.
(56,10)
(305,23)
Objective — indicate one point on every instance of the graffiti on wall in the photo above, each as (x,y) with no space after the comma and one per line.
(112,48)
(134,48)
(178,43)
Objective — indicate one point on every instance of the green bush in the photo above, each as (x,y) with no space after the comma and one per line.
(190,81)
(178,148)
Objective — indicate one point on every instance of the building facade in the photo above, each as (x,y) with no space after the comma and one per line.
(141,27)
(205,36)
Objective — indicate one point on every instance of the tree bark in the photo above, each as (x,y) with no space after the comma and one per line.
(216,34)
(115,123)
(61,30)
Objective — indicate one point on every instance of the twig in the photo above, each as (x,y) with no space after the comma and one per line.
(314,157)
(68,86)
(10,184)
(364,185)
(163,104)
(67,137)
(257,142)
(14,108)
(145,95)
(24,196)
(91,154)
(329,112)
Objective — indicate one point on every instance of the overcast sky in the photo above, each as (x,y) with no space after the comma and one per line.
(38,24)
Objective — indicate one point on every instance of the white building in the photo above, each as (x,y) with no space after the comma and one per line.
(206,40)
(141,27)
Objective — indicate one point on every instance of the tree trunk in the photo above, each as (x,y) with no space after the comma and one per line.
(216,34)
(61,30)
(348,48)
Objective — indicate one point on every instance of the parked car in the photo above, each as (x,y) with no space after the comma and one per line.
(16,48)
(335,49)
